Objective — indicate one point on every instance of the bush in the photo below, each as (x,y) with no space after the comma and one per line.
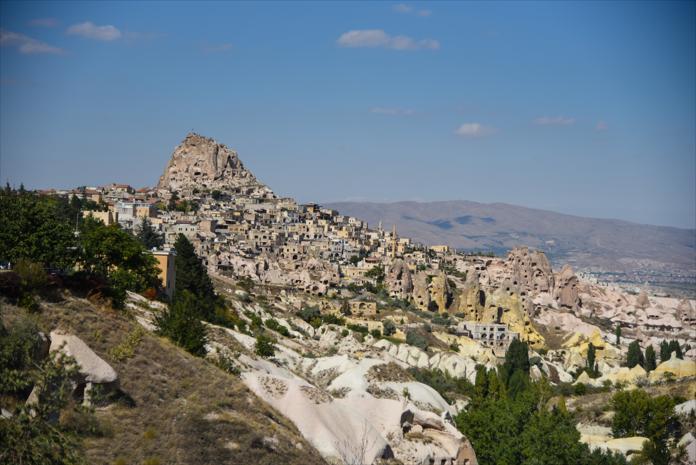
(580,389)
(126,349)
(277,327)
(416,339)
(309,313)
(447,386)
(376,333)
(264,346)
(332,319)
(256,321)
(358,328)
(389,327)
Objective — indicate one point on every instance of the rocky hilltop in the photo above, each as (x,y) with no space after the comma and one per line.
(202,163)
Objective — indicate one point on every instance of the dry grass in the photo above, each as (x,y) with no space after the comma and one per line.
(176,408)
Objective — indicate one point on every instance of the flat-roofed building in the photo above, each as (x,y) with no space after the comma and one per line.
(167,271)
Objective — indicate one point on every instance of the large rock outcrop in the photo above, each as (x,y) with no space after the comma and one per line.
(398,280)
(530,269)
(202,163)
(566,292)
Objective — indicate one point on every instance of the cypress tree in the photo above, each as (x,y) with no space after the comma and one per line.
(590,366)
(664,351)
(481,383)
(650,363)
(516,358)
(192,276)
(635,355)
(617,331)
(675,347)
(148,236)
(181,323)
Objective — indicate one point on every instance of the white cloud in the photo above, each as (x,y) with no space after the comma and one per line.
(392,111)
(377,38)
(92,31)
(474,130)
(402,8)
(25,44)
(44,22)
(408,9)
(554,121)
(601,126)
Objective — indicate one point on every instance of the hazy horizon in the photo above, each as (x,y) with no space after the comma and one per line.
(579,108)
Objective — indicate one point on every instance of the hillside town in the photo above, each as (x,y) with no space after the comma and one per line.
(312,277)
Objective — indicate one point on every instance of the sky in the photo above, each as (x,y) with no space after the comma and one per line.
(586,108)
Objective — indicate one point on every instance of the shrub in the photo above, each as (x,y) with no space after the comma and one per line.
(277,327)
(332,319)
(264,346)
(256,322)
(416,339)
(226,363)
(389,327)
(358,328)
(309,313)
(580,389)
(376,333)
(126,349)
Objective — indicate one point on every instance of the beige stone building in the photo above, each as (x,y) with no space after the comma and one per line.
(167,271)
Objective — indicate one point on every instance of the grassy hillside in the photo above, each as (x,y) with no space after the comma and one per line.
(174,408)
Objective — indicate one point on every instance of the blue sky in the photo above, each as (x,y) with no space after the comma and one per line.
(586,108)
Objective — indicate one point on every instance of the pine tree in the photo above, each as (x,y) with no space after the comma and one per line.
(635,355)
(192,276)
(650,362)
(664,351)
(516,358)
(617,331)
(675,347)
(181,323)
(590,366)
(148,236)
(480,383)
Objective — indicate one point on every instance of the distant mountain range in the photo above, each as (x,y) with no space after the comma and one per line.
(586,243)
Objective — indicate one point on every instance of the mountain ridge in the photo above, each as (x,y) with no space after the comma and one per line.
(585,242)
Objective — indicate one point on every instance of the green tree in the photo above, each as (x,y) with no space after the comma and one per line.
(518,383)
(636,413)
(376,273)
(114,255)
(650,362)
(617,332)
(674,347)
(191,276)
(389,327)
(516,358)
(37,228)
(480,384)
(550,438)
(181,323)
(171,205)
(664,351)
(147,235)
(590,364)
(635,355)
